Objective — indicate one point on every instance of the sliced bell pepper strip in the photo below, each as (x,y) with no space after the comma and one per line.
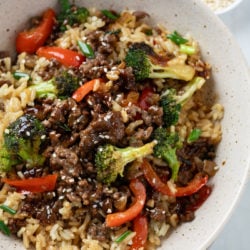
(153,179)
(202,194)
(66,57)
(29,41)
(87,87)
(140,226)
(34,185)
(119,218)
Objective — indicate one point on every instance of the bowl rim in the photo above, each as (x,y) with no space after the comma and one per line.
(228,8)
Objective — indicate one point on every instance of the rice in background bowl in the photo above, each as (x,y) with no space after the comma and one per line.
(210,217)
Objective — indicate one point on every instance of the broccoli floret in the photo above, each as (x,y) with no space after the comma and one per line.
(171,102)
(60,87)
(7,160)
(23,139)
(71,14)
(110,160)
(167,144)
(147,64)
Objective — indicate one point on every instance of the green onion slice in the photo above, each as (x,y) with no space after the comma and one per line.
(4,228)
(148,32)
(177,38)
(17,75)
(7,209)
(113,32)
(123,236)
(194,135)
(109,14)
(189,50)
(86,49)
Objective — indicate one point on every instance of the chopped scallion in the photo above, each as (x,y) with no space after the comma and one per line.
(4,228)
(109,14)
(7,209)
(189,50)
(113,32)
(148,32)
(17,75)
(177,38)
(123,236)
(194,135)
(86,49)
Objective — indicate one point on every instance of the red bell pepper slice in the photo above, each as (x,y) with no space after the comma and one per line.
(153,179)
(34,185)
(87,87)
(202,194)
(145,95)
(140,226)
(119,218)
(29,41)
(66,57)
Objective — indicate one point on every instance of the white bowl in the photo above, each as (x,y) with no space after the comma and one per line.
(230,81)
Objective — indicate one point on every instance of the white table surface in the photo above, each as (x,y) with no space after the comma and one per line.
(236,233)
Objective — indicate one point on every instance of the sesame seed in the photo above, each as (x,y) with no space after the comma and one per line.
(109,211)
(43,137)
(71,180)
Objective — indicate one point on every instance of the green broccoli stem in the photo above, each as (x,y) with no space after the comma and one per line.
(170,157)
(45,89)
(129,154)
(176,71)
(187,49)
(190,89)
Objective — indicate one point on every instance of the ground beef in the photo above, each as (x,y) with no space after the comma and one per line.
(51,70)
(127,79)
(98,231)
(95,68)
(105,128)
(15,224)
(192,156)
(42,206)
(64,157)
(153,116)
(103,45)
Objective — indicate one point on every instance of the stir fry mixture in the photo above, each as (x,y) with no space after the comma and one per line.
(107,136)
